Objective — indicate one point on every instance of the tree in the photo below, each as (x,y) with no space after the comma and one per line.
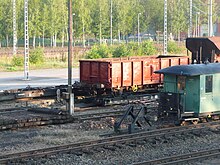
(6,20)
(48,18)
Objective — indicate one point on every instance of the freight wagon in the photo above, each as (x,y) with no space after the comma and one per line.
(130,73)
(135,73)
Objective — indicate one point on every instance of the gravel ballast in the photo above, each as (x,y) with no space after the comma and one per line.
(53,135)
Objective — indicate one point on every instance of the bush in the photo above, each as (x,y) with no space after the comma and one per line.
(99,51)
(11,68)
(121,51)
(148,48)
(134,48)
(17,61)
(173,48)
(37,56)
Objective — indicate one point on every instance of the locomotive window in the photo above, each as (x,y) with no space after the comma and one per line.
(208,84)
(181,80)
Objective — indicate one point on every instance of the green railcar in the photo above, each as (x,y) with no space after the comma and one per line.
(191,92)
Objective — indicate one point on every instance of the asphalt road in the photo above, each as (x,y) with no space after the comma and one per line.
(38,78)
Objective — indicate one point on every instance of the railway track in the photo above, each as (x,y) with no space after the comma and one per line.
(111,143)
(17,119)
(30,92)
(80,92)
(96,116)
(30,117)
(184,158)
(25,118)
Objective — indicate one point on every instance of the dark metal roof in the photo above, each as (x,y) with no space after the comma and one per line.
(191,70)
(209,43)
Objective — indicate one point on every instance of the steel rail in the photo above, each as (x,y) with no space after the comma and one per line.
(110,141)
(182,158)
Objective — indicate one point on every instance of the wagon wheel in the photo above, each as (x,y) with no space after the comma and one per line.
(195,122)
(203,120)
(208,119)
(135,88)
(183,123)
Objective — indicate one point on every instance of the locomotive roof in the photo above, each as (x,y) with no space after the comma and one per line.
(191,70)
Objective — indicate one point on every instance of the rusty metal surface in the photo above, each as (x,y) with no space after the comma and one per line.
(115,74)
(126,72)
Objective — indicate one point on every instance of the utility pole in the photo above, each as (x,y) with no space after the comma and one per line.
(26,42)
(100,23)
(111,23)
(14,29)
(190,18)
(196,26)
(210,19)
(165,28)
(139,28)
(70,102)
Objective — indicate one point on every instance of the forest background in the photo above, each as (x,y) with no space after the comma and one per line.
(48,27)
(91,19)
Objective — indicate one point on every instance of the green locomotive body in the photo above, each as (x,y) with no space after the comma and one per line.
(191,92)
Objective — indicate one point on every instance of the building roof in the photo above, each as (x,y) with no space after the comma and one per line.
(191,70)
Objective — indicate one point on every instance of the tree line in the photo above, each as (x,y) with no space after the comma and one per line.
(48,19)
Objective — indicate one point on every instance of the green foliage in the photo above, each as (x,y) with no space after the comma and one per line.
(17,61)
(99,51)
(148,48)
(49,18)
(134,49)
(173,48)
(123,50)
(11,68)
(37,56)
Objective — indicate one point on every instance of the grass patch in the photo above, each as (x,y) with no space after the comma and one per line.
(8,64)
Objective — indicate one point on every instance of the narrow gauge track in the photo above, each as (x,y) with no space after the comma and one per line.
(12,120)
(52,92)
(47,119)
(111,143)
(30,92)
(95,116)
(15,109)
(31,117)
(23,118)
(184,158)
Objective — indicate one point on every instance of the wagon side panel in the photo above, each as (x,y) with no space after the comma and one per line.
(116,74)
(147,71)
(184,60)
(174,61)
(85,71)
(126,69)
(137,72)
(155,65)
(105,74)
(95,72)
